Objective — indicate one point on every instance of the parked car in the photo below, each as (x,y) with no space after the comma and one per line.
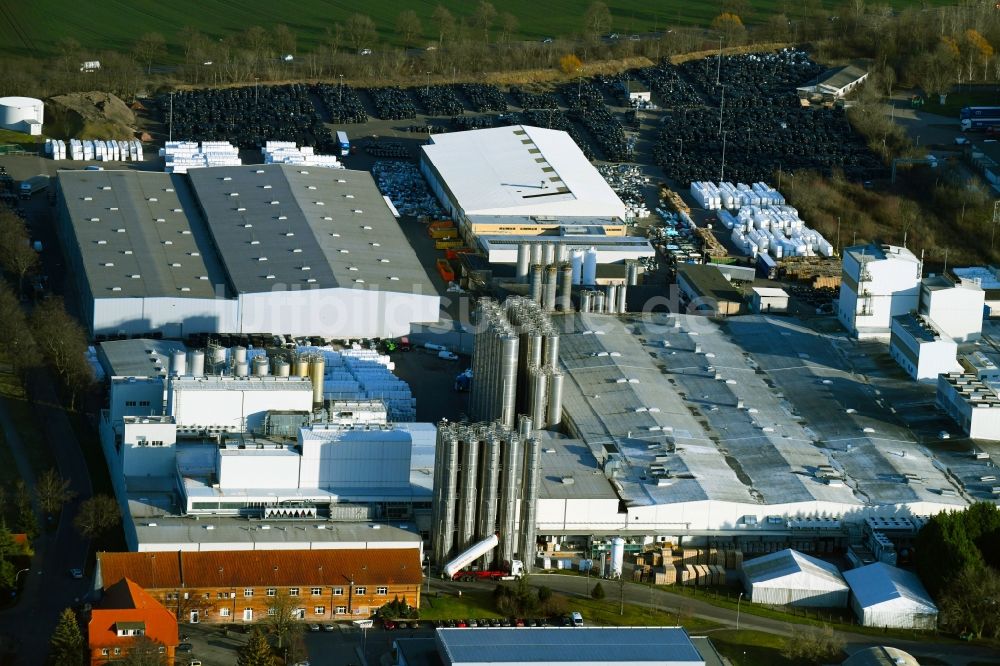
(184,647)
(388,624)
(313,627)
(329,627)
(76,573)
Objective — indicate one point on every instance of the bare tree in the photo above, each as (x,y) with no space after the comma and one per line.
(52,491)
(485,17)
(97,515)
(63,343)
(144,651)
(149,47)
(408,27)
(281,619)
(16,332)
(16,254)
(508,27)
(596,20)
(445,22)
(361,31)
(284,39)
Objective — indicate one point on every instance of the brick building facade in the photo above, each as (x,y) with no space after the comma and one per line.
(126,614)
(243,586)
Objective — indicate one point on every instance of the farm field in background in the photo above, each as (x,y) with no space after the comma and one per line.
(35,28)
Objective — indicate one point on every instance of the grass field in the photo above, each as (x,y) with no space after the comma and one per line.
(35,28)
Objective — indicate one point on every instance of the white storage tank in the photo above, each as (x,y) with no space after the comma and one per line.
(590,267)
(617,556)
(22,114)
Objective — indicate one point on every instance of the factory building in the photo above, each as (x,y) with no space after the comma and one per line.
(505,249)
(885,596)
(22,114)
(954,307)
(790,578)
(988,279)
(921,348)
(877,284)
(972,403)
(272,248)
(706,291)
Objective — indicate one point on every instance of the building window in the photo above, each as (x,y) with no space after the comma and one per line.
(118,651)
(341,610)
(382,590)
(105,651)
(272,611)
(338,591)
(319,610)
(316,591)
(361,590)
(224,612)
(248,592)
(299,613)
(293,591)
(271,591)
(144,403)
(129,403)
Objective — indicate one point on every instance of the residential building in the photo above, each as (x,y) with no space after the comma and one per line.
(125,613)
(241,586)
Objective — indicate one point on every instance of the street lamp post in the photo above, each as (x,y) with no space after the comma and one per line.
(996,210)
(722,172)
(738,602)
(340,90)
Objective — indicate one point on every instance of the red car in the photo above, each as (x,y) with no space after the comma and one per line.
(388,625)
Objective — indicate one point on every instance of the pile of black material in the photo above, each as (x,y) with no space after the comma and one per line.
(753,79)
(462,123)
(484,97)
(440,101)
(250,116)
(342,103)
(392,149)
(405,186)
(557,120)
(586,106)
(530,100)
(392,103)
(669,89)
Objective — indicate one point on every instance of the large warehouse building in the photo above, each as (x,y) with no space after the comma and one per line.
(255,249)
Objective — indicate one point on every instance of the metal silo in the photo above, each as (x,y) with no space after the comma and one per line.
(632,273)
(508,380)
(448,497)
(551,359)
(529,499)
(281,368)
(523,261)
(610,298)
(524,426)
(178,363)
(586,300)
(576,261)
(196,363)
(562,253)
(239,355)
(538,397)
(622,306)
(241,369)
(317,369)
(548,253)
(617,556)
(566,297)
(260,366)
(468,490)
(590,267)
(555,398)
(536,283)
(551,278)
(302,366)
(536,253)
(490,484)
(597,302)
(509,477)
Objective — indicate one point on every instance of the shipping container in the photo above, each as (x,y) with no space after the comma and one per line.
(448,244)
(444,268)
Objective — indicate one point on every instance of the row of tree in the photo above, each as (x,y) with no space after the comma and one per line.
(957,556)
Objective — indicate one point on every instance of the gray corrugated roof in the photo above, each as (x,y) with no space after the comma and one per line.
(139,234)
(570,459)
(878,583)
(655,645)
(328,228)
(138,357)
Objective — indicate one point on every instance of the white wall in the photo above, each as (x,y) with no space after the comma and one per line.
(358,459)
(894,285)
(140,457)
(174,317)
(894,615)
(194,402)
(254,468)
(957,312)
(932,358)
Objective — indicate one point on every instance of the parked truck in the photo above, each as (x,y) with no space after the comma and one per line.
(32,185)
(345,145)
(979,117)
(456,569)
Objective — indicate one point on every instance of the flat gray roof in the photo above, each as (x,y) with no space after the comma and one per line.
(570,459)
(138,357)
(297,227)
(552,645)
(139,234)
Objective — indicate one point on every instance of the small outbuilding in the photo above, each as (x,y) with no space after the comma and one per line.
(637,92)
(769,299)
(886,596)
(789,578)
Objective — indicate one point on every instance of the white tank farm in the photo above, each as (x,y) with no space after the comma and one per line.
(22,114)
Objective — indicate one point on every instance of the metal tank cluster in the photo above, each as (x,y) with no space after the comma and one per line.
(486,482)
(552,270)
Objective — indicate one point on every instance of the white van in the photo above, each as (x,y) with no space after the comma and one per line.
(576,619)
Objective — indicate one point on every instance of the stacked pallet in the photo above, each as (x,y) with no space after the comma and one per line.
(819,272)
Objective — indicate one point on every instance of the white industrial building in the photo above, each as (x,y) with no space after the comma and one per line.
(769,299)
(193,435)
(920,348)
(877,283)
(955,308)
(972,403)
(789,578)
(516,171)
(886,596)
(262,249)
(988,279)
(22,114)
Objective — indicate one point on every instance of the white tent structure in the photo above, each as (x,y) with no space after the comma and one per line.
(886,596)
(789,578)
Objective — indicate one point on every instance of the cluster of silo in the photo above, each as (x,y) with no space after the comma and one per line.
(486,482)
(189,364)
(550,274)
(609,300)
(515,364)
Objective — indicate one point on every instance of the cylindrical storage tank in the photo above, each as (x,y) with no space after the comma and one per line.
(523,261)
(282,368)
(610,298)
(508,378)
(260,366)
(586,300)
(589,267)
(555,399)
(576,261)
(317,369)
(548,253)
(536,283)
(524,426)
(242,369)
(240,354)
(196,363)
(178,363)
(562,251)
(302,366)
(597,303)
(17,110)
(529,499)
(617,556)
(538,397)
(632,273)
(622,308)
(551,277)
(218,355)
(566,297)
(551,359)
(536,253)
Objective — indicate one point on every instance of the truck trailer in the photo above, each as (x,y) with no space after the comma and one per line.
(32,185)
(345,145)
(456,569)
(979,117)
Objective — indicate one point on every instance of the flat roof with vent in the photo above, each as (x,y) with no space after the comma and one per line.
(519,170)
(139,234)
(285,227)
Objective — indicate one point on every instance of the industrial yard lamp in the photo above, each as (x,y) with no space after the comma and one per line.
(738,601)
(722,172)
(996,205)
(340,90)
(13,592)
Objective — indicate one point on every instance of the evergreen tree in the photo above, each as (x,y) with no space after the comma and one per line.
(597,592)
(66,644)
(256,652)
